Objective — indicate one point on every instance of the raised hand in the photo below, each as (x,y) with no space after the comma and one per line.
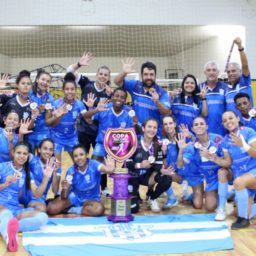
(181,141)
(86,59)
(90,100)
(128,65)
(3,80)
(62,110)
(24,125)
(238,42)
(110,164)
(203,91)
(49,168)
(184,130)
(154,94)
(102,105)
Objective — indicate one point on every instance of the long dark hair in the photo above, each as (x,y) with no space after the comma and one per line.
(26,165)
(195,92)
(23,73)
(40,72)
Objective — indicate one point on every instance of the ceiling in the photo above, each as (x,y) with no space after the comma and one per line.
(103,41)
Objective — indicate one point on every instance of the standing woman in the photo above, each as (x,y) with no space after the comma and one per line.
(64,116)
(42,99)
(21,102)
(146,166)
(205,157)
(190,103)
(241,145)
(13,218)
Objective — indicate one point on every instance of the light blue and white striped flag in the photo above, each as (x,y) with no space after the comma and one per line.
(164,234)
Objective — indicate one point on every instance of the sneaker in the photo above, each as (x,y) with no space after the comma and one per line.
(171,202)
(106,192)
(12,238)
(221,215)
(240,223)
(154,206)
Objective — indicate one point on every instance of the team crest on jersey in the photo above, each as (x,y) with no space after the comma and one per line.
(120,143)
(128,231)
(217,140)
(123,124)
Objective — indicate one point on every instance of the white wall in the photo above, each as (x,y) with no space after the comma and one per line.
(81,12)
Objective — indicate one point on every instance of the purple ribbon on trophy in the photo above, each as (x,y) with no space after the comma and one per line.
(229,56)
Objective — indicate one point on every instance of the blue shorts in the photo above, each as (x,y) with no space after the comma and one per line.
(99,150)
(76,201)
(212,185)
(67,145)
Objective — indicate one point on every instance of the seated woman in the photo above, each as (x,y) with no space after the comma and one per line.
(13,218)
(41,179)
(205,157)
(81,187)
(146,166)
(240,143)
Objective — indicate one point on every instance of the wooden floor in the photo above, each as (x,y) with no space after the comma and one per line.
(244,240)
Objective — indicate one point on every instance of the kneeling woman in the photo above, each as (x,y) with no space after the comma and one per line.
(12,217)
(146,167)
(81,188)
(205,157)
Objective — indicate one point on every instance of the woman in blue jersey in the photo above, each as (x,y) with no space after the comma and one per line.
(81,187)
(39,178)
(41,99)
(64,116)
(13,218)
(190,103)
(205,157)
(241,145)
(145,166)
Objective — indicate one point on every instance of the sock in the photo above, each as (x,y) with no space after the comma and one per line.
(33,223)
(242,202)
(170,194)
(75,209)
(253,211)
(5,216)
(222,192)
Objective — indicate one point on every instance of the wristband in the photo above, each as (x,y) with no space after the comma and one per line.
(241,49)
(78,64)
(203,99)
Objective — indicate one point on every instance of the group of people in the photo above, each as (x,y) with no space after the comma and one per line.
(203,135)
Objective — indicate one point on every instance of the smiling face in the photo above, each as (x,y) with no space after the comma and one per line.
(243,105)
(43,82)
(150,129)
(69,91)
(189,85)
(230,121)
(102,76)
(199,126)
(119,99)
(20,155)
(79,157)
(46,150)
(12,120)
(148,77)
(211,72)
(233,73)
(169,125)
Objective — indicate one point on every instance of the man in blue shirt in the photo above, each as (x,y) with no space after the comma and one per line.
(149,100)
(215,98)
(239,79)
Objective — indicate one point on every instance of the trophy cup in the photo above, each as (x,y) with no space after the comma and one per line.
(120,144)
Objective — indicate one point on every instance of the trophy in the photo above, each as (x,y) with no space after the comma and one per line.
(120,144)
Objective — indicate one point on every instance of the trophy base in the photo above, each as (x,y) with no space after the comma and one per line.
(115,218)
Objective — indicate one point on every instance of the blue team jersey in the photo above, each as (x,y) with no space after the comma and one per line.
(185,113)
(4,148)
(241,161)
(244,85)
(9,196)
(109,119)
(41,129)
(37,175)
(249,122)
(206,167)
(216,107)
(143,104)
(85,184)
(66,129)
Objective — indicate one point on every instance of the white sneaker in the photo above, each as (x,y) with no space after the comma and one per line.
(154,206)
(221,215)
(106,192)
